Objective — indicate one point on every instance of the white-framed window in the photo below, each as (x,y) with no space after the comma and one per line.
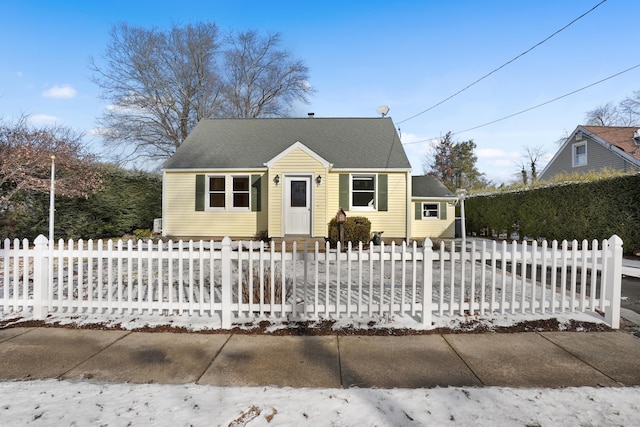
(241,191)
(216,190)
(220,198)
(430,210)
(579,154)
(363,192)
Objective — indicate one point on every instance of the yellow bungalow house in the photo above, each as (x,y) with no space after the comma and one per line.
(287,177)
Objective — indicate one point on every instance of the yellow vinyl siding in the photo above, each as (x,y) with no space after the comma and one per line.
(298,162)
(434,228)
(393,221)
(181,218)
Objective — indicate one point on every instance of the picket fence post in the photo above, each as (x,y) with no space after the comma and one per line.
(614,282)
(226,283)
(427,282)
(40,276)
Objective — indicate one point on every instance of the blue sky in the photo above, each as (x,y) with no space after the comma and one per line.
(409,55)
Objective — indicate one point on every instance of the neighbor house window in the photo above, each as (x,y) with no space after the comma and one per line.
(430,210)
(217,192)
(579,154)
(241,191)
(363,191)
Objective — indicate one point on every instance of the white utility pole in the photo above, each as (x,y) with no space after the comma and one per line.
(52,196)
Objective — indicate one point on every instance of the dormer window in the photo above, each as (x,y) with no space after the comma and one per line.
(579,154)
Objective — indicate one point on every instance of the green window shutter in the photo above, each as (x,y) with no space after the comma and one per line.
(343,200)
(443,210)
(419,210)
(382,192)
(256,192)
(200,187)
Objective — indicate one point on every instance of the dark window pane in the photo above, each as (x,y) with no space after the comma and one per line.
(216,183)
(363,184)
(216,200)
(362,199)
(430,210)
(241,184)
(298,194)
(240,200)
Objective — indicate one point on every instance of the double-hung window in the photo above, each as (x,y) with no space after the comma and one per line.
(241,192)
(580,154)
(363,192)
(217,192)
(430,210)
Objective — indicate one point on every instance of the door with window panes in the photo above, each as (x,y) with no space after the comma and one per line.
(297,205)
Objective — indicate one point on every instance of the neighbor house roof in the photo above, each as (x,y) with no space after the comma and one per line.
(355,143)
(428,186)
(621,137)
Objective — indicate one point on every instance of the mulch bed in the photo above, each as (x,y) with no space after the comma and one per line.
(326,327)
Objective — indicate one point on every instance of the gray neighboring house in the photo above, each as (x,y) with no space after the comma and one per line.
(593,148)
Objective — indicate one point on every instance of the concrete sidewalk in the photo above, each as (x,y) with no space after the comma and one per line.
(547,359)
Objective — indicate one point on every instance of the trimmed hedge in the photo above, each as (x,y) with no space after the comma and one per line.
(356,229)
(128,200)
(583,210)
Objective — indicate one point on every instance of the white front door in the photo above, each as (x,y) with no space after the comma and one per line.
(297,205)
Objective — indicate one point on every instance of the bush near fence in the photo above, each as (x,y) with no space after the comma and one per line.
(356,229)
(572,210)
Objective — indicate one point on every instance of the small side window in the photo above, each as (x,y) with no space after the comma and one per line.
(430,210)
(579,154)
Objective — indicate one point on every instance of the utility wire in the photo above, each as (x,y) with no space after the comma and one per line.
(503,65)
(535,106)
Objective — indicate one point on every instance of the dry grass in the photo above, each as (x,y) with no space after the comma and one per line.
(256,288)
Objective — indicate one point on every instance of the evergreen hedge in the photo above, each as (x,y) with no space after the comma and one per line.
(574,210)
(128,201)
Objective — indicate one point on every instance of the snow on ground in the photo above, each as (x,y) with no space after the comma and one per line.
(52,402)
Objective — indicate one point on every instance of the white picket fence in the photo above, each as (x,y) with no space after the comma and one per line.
(232,282)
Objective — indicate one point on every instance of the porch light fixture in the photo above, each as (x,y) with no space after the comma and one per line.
(319,179)
(276,180)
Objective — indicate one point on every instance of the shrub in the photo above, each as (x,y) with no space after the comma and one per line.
(143,233)
(356,229)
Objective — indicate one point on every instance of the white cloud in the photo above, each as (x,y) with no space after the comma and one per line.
(60,92)
(19,74)
(43,119)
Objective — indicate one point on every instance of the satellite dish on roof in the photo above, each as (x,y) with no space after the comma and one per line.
(383,110)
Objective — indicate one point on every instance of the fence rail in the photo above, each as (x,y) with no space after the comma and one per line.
(238,281)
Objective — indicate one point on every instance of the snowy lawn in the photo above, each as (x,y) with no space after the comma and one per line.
(53,402)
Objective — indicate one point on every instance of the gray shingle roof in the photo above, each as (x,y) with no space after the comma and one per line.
(429,186)
(249,143)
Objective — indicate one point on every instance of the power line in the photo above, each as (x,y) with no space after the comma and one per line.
(503,65)
(551,100)
(535,106)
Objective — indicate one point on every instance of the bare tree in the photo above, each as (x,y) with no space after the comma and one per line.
(260,79)
(529,164)
(626,113)
(603,115)
(160,83)
(25,162)
(630,110)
